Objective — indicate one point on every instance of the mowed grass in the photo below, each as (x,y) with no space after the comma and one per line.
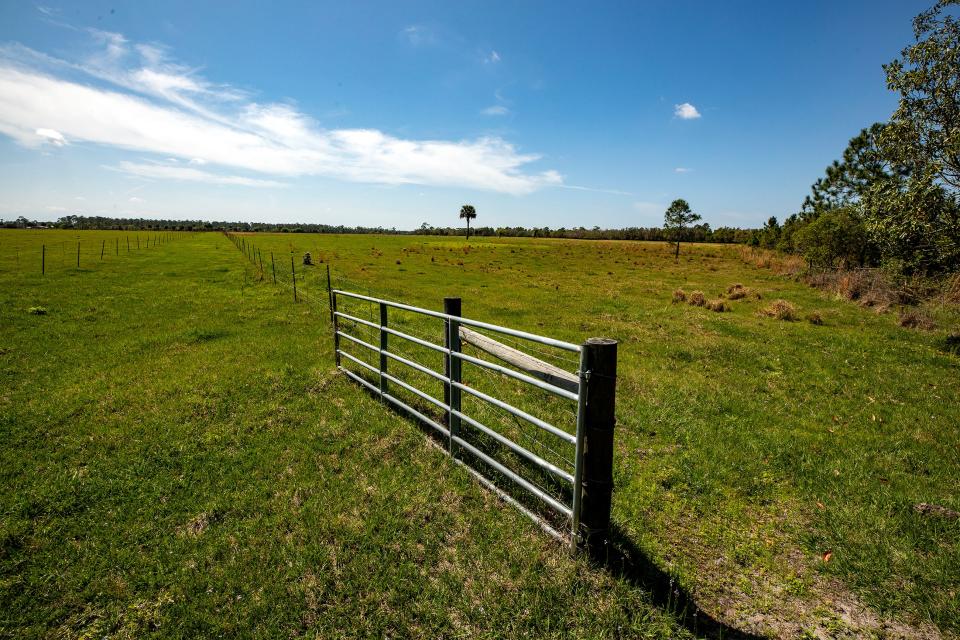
(180,458)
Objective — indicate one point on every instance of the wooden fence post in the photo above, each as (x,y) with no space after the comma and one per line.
(78,254)
(273,267)
(43,260)
(103,244)
(599,420)
(452,367)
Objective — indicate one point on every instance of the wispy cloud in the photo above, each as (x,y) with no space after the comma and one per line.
(419,35)
(615,192)
(152,104)
(491,58)
(495,110)
(685,111)
(682,170)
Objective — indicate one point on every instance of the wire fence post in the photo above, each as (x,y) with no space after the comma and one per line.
(273,267)
(596,417)
(43,260)
(293,276)
(384,345)
(128,244)
(452,367)
(103,245)
(78,254)
(117,245)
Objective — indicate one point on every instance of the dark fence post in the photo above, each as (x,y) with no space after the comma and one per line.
(293,275)
(384,344)
(329,293)
(336,328)
(273,267)
(452,367)
(43,260)
(78,254)
(103,244)
(600,357)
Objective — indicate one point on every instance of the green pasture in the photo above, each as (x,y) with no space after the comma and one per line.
(180,457)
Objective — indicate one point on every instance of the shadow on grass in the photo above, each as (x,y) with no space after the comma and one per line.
(625,561)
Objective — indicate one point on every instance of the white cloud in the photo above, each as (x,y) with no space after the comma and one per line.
(51,136)
(492,58)
(160,107)
(496,110)
(682,170)
(419,35)
(685,111)
(186,174)
(135,199)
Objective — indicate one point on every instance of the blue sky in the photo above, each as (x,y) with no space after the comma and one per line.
(396,113)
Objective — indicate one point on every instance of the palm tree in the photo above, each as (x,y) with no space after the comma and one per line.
(469,213)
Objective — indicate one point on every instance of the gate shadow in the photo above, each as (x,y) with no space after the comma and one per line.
(624,560)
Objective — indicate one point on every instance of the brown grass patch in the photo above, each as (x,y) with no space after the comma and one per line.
(781,310)
(737,291)
(916,319)
(717,305)
(697,299)
(814,317)
(679,295)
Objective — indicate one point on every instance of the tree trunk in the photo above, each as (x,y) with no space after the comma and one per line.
(468,228)
(676,256)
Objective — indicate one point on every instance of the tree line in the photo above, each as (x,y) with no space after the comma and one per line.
(893,199)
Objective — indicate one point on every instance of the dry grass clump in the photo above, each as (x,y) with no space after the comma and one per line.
(917,319)
(814,317)
(697,299)
(737,291)
(679,295)
(781,310)
(718,305)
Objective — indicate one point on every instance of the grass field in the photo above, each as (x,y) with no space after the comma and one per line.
(179,456)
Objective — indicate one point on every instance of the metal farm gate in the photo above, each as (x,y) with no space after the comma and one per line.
(537,434)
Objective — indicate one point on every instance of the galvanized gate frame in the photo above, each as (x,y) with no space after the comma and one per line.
(592,481)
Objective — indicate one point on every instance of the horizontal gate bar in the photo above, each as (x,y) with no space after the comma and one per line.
(410,363)
(516,448)
(392,331)
(546,386)
(560,344)
(526,484)
(546,426)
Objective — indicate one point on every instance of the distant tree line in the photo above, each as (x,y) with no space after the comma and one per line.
(698,233)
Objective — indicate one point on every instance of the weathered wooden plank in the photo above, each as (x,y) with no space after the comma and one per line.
(537,368)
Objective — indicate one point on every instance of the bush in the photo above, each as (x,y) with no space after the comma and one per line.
(37,311)
(307,259)
(679,295)
(781,310)
(814,317)
(697,299)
